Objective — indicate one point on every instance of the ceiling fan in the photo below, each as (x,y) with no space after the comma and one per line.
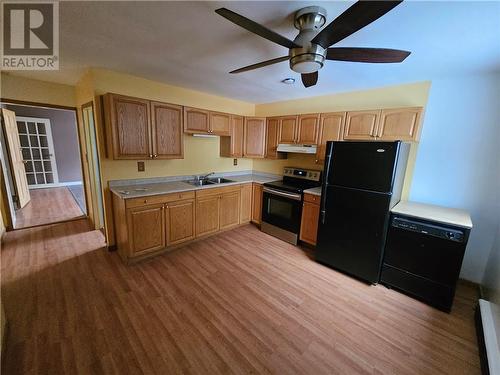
(310,48)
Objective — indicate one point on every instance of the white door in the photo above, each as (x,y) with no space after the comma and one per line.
(37,148)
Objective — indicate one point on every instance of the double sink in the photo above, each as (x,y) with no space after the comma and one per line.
(209,181)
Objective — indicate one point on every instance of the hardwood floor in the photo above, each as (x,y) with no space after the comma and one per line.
(237,302)
(47,206)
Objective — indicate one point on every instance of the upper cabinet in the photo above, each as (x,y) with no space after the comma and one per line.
(254,137)
(308,129)
(361,125)
(287,129)
(167,134)
(273,128)
(128,127)
(400,123)
(331,129)
(220,123)
(196,120)
(141,129)
(232,146)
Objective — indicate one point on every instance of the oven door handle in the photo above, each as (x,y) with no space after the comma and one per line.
(297,197)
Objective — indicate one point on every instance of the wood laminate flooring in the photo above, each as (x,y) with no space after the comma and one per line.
(238,302)
(50,205)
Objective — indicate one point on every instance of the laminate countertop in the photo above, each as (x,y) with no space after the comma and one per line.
(145,189)
(431,212)
(314,191)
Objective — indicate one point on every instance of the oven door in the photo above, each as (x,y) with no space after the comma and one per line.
(282,209)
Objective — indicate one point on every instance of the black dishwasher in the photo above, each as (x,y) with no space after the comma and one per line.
(423,259)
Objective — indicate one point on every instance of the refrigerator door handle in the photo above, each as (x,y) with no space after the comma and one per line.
(323,216)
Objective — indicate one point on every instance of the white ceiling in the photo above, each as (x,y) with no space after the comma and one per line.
(187,44)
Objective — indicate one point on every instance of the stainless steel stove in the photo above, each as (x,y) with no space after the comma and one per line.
(282,202)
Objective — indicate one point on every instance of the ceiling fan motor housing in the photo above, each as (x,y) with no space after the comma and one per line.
(310,57)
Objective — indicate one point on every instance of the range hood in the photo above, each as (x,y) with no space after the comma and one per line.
(298,149)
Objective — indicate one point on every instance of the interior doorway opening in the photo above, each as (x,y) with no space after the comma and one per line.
(42,165)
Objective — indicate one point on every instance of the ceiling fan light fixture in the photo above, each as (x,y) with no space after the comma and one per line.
(307,63)
(288,81)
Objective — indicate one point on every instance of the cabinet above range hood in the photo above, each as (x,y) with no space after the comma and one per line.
(298,149)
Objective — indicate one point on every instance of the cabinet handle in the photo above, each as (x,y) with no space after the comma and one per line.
(155,156)
(151,156)
(145,201)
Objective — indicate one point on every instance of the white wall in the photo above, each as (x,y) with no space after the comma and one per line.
(458,161)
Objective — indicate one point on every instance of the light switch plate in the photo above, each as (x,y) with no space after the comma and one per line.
(235,161)
(140,166)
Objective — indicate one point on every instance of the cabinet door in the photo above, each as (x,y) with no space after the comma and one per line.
(196,120)
(229,210)
(220,123)
(255,137)
(167,132)
(309,223)
(399,124)
(273,127)
(288,129)
(146,229)
(361,125)
(128,125)
(237,136)
(257,203)
(246,203)
(331,129)
(207,215)
(180,220)
(308,129)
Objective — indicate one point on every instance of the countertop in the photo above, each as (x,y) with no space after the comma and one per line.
(314,191)
(439,214)
(145,189)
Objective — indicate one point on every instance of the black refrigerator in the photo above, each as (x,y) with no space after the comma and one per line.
(362,182)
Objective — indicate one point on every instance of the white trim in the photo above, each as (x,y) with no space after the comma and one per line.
(59,184)
(488,311)
(50,144)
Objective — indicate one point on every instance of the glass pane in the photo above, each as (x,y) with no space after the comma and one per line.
(28,166)
(24,140)
(26,153)
(45,153)
(49,178)
(41,128)
(31,128)
(21,127)
(48,166)
(38,166)
(31,179)
(43,141)
(34,140)
(40,179)
(36,153)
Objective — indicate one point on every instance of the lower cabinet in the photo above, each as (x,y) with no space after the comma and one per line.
(207,219)
(180,221)
(229,215)
(257,203)
(310,219)
(146,229)
(217,208)
(246,203)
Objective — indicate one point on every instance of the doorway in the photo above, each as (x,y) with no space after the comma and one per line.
(43,151)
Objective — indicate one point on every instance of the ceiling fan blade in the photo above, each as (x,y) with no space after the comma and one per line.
(367,55)
(256,28)
(309,79)
(260,65)
(353,19)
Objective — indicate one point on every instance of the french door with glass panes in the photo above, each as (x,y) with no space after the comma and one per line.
(37,149)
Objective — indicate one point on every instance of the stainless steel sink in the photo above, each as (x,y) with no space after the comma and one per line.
(219,180)
(200,182)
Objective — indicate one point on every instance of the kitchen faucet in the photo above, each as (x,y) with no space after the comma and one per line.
(202,177)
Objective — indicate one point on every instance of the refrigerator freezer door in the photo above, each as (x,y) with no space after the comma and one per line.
(362,165)
(352,231)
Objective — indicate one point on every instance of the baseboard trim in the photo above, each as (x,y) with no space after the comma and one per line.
(487,339)
(59,184)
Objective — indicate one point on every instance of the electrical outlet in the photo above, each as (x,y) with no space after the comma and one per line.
(235,161)
(140,166)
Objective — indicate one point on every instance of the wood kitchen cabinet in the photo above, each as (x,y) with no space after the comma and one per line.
(399,124)
(288,129)
(180,221)
(254,137)
(196,120)
(331,129)
(232,146)
(257,203)
(361,125)
(128,127)
(207,218)
(272,135)
(166,131)
(229,209)
(146,229)
(220,123)
(310,219)
(308,129)
(245,203)
(142,129)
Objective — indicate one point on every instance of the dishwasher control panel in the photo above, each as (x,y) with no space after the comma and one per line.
(428,229)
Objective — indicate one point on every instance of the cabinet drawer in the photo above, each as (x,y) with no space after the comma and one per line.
(217,190)
(312,198)
(156,199)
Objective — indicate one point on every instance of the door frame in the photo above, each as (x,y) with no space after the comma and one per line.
(10,225)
